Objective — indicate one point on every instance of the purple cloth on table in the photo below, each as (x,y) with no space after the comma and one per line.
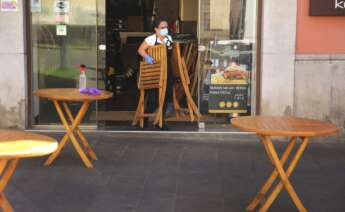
(90,91)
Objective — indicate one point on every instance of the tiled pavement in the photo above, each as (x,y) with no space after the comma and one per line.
(170,173)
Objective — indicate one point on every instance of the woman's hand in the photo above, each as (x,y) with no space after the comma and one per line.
(149,59)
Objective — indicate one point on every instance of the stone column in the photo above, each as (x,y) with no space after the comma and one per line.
(12,69)
(278,57)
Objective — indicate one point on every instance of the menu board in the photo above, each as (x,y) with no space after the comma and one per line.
(228,92)
(228,99)
(226,84)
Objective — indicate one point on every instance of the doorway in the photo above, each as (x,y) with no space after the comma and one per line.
(128,22)
(222,64)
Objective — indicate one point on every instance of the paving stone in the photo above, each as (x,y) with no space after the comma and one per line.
(167,173)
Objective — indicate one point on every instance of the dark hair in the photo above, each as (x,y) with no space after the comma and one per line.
(157,22)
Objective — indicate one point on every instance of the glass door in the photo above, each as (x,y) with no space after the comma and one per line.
(64,34)
(227,46)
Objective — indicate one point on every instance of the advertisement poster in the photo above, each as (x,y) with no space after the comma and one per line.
(36,6)
(228,92)
(9,5)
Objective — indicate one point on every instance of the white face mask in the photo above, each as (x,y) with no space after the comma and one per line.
(164,32)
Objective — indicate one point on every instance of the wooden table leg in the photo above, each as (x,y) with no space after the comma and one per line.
(284,176)
(264,189)
(5,204)
(70,134)
(82,137)
(7,168)
(285,183)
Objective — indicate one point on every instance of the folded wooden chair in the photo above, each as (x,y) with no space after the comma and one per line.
(181,87)
(191,56)
(152,77)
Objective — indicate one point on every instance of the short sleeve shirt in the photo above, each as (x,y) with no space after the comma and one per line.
(151,40)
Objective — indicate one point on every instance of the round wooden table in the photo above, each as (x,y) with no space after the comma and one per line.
(292,127)
(15,145)
(61,96)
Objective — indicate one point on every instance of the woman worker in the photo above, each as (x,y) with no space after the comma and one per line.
(160,37)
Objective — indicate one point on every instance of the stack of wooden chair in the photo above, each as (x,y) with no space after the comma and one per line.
(191,56)
(181,90)
(152,77)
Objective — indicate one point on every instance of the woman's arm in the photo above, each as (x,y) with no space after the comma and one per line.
(142,49)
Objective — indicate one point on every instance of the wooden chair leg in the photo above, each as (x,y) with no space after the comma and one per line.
(137,112)
(194,84)
(142,108)
(159,116)
(176,105)
(264,189)
(187,91)
(191,112)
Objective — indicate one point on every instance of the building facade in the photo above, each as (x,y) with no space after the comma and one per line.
(300,63)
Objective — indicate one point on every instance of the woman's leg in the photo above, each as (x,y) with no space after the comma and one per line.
(151,100)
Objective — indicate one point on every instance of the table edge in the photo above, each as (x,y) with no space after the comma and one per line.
(88,99)
(284,133)
(53,147)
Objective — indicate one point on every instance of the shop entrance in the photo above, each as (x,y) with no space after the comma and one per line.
(128,22)
(218,40)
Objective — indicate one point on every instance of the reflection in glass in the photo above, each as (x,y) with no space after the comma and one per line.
(61,41)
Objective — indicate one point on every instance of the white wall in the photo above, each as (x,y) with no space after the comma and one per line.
(320,90)
(278,57)
(12,66)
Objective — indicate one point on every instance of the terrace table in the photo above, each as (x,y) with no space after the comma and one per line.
(15,145)
(292,127)
(61,96)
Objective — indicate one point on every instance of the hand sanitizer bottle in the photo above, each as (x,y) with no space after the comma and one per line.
(82,77)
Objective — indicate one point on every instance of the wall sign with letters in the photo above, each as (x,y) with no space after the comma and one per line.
(327,8)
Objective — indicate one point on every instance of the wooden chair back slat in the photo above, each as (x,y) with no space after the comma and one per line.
(150,74)
(150,86)
(150,81)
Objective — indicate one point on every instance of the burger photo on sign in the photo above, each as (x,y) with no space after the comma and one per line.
(231,75)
